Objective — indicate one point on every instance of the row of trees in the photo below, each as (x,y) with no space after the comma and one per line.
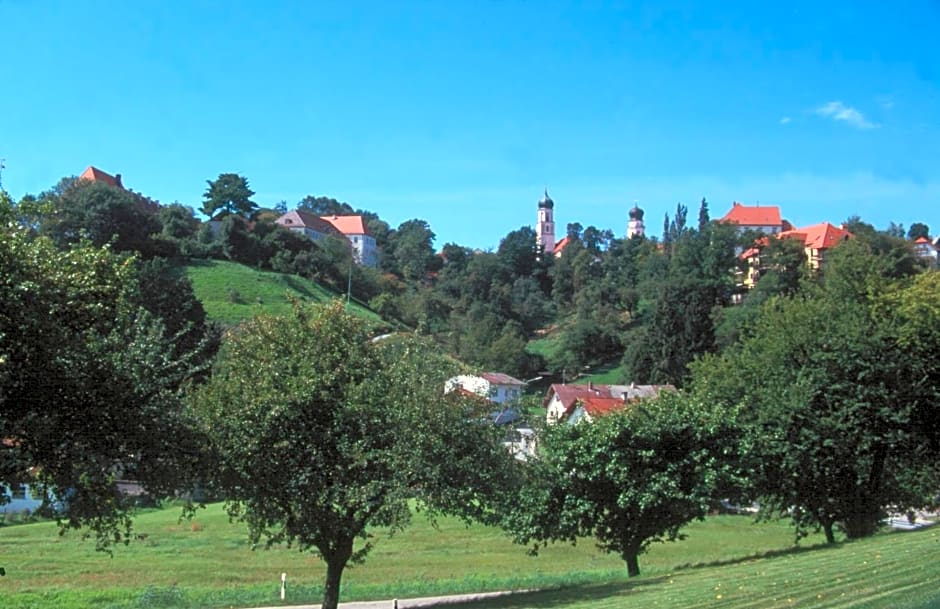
(821,405)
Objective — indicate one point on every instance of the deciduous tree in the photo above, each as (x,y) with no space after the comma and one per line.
(628,479)
(324,433)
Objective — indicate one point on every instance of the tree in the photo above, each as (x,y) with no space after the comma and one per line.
(89,383)
(918,230)
(101,213)
(413,247)
(703,217)
(628,479)
(323,433)
(838,399)
(229,194)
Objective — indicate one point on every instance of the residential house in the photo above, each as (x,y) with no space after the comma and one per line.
(573,403)
(307,224)
(25,498)
(354,228)
(497,387)
(817,240)
(926,250)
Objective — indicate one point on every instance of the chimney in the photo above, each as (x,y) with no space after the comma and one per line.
(117,180)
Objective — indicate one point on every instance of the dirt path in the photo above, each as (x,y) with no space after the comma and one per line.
(405,603)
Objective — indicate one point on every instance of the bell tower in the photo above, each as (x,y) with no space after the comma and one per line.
(635,227)
(545,228)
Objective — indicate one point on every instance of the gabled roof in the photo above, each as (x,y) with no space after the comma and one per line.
(746,215)
(93,174)
(596,406)
(818,236)
(569,394)
(498,378)
(561,245)
(348,225)
(298,218)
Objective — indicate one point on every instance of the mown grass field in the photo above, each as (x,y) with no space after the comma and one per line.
(231,293)
(726,561)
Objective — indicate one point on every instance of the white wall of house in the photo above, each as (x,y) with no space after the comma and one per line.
(25,499)
(498,394)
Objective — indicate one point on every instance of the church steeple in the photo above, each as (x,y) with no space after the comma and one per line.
(545,227)
(635,227)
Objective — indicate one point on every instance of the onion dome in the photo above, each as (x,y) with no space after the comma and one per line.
(636,213)
(546,201)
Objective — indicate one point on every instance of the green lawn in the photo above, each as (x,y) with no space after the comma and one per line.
(232,293)
(727,561)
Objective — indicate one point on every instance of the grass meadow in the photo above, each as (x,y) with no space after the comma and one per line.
(232,293)
(726,561)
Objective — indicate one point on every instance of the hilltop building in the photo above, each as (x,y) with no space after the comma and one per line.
(93,174)
(353,228)
(926,250)
(816,240)
(635,226)
(545,226)
(763,219)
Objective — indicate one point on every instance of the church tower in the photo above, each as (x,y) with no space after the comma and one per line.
(545,228)
(635,227)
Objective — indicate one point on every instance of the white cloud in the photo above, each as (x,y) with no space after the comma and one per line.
(785,120)
(838,111)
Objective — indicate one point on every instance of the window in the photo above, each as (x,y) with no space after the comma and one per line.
(18,492)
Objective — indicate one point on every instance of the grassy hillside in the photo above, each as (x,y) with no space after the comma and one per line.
(726,561)
(232,292)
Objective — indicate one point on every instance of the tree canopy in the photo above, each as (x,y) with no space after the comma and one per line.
(229,194)
(629,478)
(89,382)
(323,432)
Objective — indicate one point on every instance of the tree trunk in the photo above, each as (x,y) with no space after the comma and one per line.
(827,529)
(335,563)
(633,565)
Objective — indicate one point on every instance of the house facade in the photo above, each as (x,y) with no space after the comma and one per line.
(353,228)
(926,250)
(497,387)
(25,498)
(307,224)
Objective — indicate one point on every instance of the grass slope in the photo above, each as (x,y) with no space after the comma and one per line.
(726,561)
(232,293)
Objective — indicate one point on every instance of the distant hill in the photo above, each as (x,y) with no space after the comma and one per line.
(232,293)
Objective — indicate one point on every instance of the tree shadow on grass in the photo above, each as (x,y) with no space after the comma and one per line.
(758,556)
(553,597)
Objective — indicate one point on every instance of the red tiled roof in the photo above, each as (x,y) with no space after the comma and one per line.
(746,215)
(93,174)
(569,394)
(498,378)
(348,225)
(818,236)
(596,406)
(561,245)
(923,240)
(299,218)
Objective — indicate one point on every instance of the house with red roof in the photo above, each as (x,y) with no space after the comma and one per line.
(497,387)
(817,240)
(353,228)
(363,243)
(926,250)
(307,224)
(93,174)
(759,218)
(574,403)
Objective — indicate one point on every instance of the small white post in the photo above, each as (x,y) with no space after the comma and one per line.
(283,585)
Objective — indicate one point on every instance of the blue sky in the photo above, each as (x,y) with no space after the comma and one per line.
(460,113)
